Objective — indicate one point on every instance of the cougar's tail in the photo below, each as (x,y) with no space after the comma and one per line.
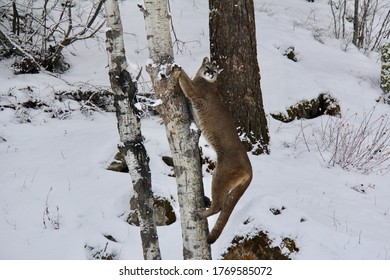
(220,224)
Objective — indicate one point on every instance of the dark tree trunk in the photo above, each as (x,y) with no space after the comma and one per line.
(233,47)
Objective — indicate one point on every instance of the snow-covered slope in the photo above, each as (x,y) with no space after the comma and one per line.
(57,199)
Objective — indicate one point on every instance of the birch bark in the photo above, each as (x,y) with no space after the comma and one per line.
(183,141)
(129,129)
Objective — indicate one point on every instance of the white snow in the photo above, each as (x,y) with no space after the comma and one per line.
(57,199)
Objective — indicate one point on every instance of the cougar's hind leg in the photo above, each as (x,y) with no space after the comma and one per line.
(229,204)
(219,191)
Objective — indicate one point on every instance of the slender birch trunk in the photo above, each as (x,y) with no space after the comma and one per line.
(129,129)
(385,69)
(183,141)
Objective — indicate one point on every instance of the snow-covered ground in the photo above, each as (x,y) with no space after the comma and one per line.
(57,199)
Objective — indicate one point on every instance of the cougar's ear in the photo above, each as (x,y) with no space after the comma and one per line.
(206,60)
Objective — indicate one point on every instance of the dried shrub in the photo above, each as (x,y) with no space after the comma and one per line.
(363,146)
(39,31)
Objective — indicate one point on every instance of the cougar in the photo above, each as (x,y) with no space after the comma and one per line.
(233,173)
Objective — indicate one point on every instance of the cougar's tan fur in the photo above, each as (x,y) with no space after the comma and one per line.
(233,173)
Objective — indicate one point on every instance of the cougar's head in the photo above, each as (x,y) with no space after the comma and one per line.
(209,70)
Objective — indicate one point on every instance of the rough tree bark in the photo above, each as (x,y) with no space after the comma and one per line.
(183,141)
(129,129)
(233,47)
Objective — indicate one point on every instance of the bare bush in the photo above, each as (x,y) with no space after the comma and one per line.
(363,146)
(339,14)
(373,24)
(38,31)
(365,23)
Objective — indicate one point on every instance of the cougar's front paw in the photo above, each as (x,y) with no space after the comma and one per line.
(175,71)
(200,214)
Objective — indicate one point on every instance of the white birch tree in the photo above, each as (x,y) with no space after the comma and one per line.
(385,70)
(129,129)
(183,141)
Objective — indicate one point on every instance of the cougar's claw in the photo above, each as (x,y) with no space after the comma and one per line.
(175,70)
